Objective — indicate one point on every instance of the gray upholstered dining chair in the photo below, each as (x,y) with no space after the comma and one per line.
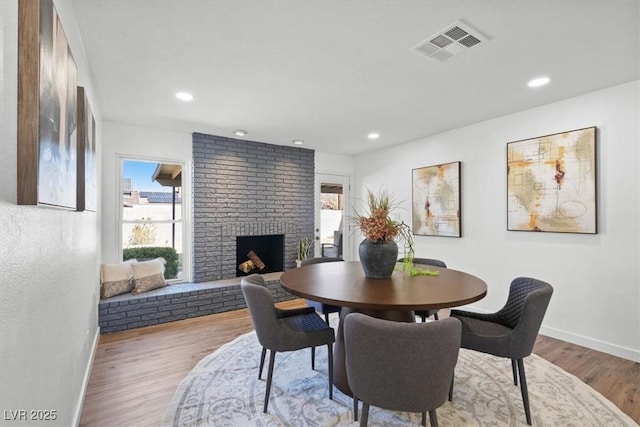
(436,263)
(321,307)
(333,250)
(284,330)
(415,377)
(510,332)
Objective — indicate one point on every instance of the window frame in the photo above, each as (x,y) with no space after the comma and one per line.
(185,213)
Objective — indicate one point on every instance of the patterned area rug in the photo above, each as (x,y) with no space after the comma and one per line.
(224,390)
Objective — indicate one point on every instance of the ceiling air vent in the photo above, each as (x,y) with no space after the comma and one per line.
(454,39)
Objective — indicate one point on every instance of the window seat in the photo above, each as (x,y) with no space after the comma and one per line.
(177,302)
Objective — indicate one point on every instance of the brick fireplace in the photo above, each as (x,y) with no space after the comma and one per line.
(247,188)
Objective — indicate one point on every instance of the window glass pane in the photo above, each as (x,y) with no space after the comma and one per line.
(150,191)
(152,206)
(152,234)
(151,211)
(331,212)
(149,234)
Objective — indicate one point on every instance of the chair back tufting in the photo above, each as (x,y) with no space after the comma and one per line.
(525,289)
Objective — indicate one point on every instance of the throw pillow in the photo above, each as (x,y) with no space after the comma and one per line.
(148,275)
(116,279)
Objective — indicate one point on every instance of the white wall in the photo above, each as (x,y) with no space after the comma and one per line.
(596,278)
(334,164)
(49,266)
(137,142)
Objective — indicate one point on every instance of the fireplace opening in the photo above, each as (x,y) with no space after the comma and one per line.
(259,254)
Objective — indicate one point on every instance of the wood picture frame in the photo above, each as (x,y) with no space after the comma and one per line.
(86,194)
(551,183)
(436,200)
(47,116)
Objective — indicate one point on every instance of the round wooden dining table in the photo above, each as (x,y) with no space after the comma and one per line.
(344,284)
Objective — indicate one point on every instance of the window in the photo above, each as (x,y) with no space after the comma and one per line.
(152,214)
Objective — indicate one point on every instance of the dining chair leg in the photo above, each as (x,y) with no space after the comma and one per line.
(264,354)
(326,318)
(272,361)
(451,388)
(435,315)
(433,418)
(355,408)
(330,359)
(313,358)
(515,371)
(424,420)
(365,415)
(523,388)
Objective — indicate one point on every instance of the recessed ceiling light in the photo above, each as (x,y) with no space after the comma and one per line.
(184,96)
(298,141)
(373,135)
(540,81)
(240,132)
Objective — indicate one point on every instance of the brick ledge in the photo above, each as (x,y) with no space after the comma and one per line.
(177,302)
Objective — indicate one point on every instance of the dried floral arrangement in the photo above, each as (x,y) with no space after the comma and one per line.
(377,225)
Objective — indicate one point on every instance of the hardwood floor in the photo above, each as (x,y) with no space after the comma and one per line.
(136,372)
(615,378)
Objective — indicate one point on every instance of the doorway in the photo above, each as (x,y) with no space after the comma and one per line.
(332,216)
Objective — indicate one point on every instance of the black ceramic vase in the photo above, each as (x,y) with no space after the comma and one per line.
(378,259)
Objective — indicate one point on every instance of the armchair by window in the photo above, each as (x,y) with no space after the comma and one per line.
(333,250)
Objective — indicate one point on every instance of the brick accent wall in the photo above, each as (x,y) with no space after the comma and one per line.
(247,188)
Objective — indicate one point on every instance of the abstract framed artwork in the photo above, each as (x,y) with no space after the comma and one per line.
(551,183)
(47,116)
(436,200)
(86,190)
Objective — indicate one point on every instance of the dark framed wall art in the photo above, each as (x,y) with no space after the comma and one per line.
(47,116)
(436,200)
(551,183)
(86,191)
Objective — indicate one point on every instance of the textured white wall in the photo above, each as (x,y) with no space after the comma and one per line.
(48,267)
(596,277)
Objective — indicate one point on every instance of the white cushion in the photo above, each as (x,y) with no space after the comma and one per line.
(148,275)
(116,279)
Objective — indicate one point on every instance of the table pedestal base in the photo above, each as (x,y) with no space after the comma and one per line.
(339,365)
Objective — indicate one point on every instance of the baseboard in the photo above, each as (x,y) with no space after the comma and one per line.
(85,379)
(594,344)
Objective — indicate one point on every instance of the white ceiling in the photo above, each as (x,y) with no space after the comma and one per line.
(330,72)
